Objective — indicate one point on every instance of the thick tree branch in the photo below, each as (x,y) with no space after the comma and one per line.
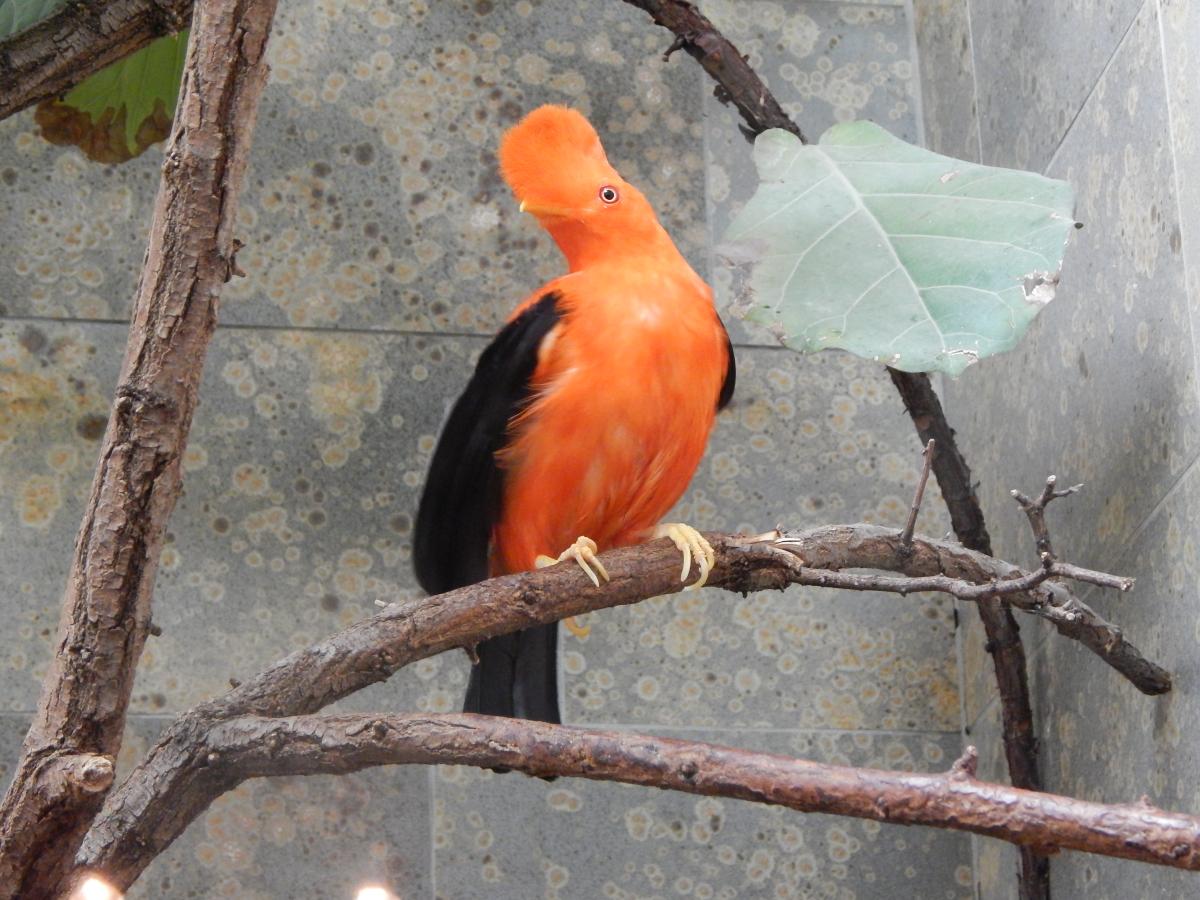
(737,83)
(106,611)
(184,772)
(999,625)
(371,650)
(235,750)
(254,747)
(83,37)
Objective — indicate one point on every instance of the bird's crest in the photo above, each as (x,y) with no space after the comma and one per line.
(548,148)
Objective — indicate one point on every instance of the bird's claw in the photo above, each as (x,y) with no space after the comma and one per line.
(583,551)
(691,544)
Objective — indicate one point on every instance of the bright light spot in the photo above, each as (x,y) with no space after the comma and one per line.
(96,889)
(374,892)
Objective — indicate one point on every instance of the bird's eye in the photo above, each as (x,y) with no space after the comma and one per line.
(608,194)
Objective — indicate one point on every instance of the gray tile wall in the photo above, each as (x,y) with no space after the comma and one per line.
(382,249)
(1103,390)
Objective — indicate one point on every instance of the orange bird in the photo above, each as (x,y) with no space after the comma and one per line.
(587,414)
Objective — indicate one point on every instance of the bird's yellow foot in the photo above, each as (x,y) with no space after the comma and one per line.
(583,551)
(691,543)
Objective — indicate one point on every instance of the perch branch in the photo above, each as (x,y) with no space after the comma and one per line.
(182,774)
(738,83)
(106,610)
(232,751)
(253,747)
(53,56)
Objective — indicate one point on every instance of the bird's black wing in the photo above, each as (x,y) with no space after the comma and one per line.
(461,500)
(727,385)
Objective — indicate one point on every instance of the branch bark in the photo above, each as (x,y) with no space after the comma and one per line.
(106,610)
(50,58)
(737,83)
(253,747)
(184,771)
(999,625)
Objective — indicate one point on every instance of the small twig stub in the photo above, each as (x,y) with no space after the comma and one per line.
(907,534)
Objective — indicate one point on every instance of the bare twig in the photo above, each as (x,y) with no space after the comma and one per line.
(919,494)
(80,39)
(179,776)
(1036,511)
(106,612)
(739,84)
(1101,579)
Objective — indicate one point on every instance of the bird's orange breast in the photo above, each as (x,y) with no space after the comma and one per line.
(626,388)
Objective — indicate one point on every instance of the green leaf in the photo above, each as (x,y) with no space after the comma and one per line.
(897,254)
(17,15)
(121,110)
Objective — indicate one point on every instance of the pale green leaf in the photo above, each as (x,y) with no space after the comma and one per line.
(138,82)
(920,261)
(17,15)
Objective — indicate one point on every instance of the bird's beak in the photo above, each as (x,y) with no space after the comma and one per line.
(543,210)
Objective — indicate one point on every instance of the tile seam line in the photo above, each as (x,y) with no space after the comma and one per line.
(597,726)
(432,776)
(1168,495)
(910,12)
(1183,250)
(974,81)
(665,730)
(1095,84)
(316,329)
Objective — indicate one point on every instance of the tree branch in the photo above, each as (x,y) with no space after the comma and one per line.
(999,625)
(183,772)
(50,58)
(411,630)
(251,747)
(737,83)
(106,611)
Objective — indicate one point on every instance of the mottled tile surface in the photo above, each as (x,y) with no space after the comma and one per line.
(56,385)
(1181,42)
(499,835)
(1104,741)
(318,837)
(947,77)
(1035,65)
(1102,390)
(373,199)
(825,63)
(301,480)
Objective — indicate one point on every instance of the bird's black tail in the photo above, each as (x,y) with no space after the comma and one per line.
(517,676)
